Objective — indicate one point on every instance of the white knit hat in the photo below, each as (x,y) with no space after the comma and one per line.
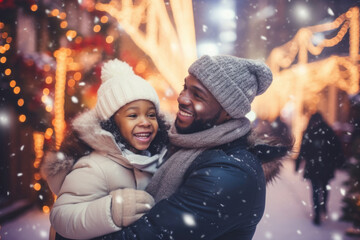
(120,85)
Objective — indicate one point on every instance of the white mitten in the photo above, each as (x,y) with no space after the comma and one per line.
(128,205)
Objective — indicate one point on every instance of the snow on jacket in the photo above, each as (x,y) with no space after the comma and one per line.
(83,207)
(222,196)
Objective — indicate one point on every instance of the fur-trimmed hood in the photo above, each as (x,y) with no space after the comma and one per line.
(89,131)
(271,151)
(87,125)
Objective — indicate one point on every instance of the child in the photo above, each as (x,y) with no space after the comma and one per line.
(127,137)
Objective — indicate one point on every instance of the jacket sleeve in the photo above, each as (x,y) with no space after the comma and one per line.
(215,199)
(83,207)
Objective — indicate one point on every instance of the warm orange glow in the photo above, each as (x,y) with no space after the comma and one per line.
(69,60)
(55,12)
(77,76)
(178,30)
(97,28)
(48,80)
(47,67)
(104,19)
(62,15)
(63,24)
(44,98)
(71,83)
(60,82)
(9,39)
(17,90)
(22,118)
(2,49)
(36,163)
(46,209)
(1,25)
(4,35)
(298,84)
(37,176)
(7,46)
(48,133)
(140,67)
(71,34)
(48,108)
(38,138)
(109,39)
(12,83)
(34,7)
(20,102)
(78,40)
(37,186)
(46,91)
(7,71)
(3,59)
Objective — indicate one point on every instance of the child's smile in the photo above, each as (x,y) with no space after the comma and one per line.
(137,124)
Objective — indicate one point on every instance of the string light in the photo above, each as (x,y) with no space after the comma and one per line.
(109,39)
(7,71)
(34,7)
(104,19)
(12,83)
(182,33)
(22,118)
(20,102)
(60,81)
(48,80)
(38,138)
(77,76)
(97,28)
(301,83)
(46,209)
(17,90)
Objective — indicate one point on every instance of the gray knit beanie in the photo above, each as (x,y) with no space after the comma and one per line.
(233,81)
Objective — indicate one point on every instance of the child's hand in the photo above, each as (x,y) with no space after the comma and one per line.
(128,205)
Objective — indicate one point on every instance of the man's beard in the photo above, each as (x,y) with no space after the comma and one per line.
(199,125)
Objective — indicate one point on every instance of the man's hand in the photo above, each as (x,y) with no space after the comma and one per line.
(128,205)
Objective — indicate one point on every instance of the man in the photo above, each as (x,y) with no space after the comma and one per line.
(211,184)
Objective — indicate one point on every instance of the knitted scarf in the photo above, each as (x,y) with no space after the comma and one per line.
(170,174)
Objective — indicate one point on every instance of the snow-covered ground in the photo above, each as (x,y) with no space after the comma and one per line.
(287,214)
(288,210)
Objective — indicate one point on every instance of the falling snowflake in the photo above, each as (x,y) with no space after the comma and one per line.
(342,191)
(330,12)
(19,174)
(22,147)
(336,236)
(204,28)
(298,232)
(74,99)
(334,216)
(268,235)
(189,220)
(263,38)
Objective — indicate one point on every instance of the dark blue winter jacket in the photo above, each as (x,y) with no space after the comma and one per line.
(222,197)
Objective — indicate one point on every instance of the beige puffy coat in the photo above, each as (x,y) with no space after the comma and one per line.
(88,205)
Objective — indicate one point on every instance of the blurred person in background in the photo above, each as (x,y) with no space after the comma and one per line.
(322,152)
